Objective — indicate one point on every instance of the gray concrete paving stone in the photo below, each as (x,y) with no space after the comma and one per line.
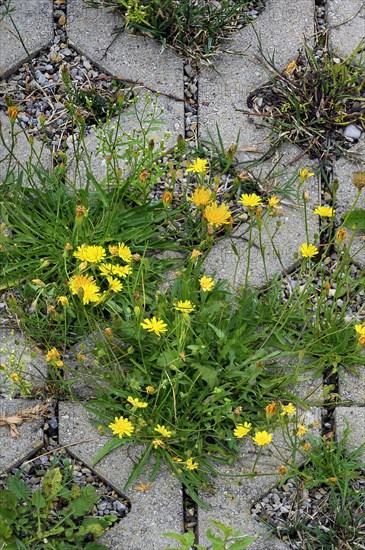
(352,387)
(24,31)
(14,450)
(346,22)
(156,511)
(354,416)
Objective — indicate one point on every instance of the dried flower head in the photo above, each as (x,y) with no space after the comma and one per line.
(358,179)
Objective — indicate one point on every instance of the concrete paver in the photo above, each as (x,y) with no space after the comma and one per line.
(30,22)
(354,416)
(352,387)
(346,22)
(14,450)
(156,511)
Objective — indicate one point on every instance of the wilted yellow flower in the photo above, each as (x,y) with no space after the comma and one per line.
(81,357)
(262,438)
(307,446)
(167,197)
(201,196)
(80,212)
(136,402)
(195,253)
(332,479)
(157,443)
(114,284)
(15,376)
(113,249)
(68,247)
(242,429)
(150,389)
(38,282)
(305,174)
(200,166)
(184,306)
(163,430)
(53,355)
(308,250)
(341,234)
(63,300)
(90,254)
(154,325)
(176,459)
(358,179)
(85,287)
(250,200)
(13,112)
(191,465)
(325,211)
(217,215)
(271,408)
(282,470)
(288,410)
(206,283)
(301,430)
(122,426)
(125,253)
(291,67)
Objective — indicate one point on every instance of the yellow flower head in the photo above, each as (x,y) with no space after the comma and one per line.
(200,166)
(108,332)
(122,426)
(242,429)
(201,196)
(282,470)
(308,250)
(262,438)
(63,300)
(325,211)
(136,402)
(53,355)
(251,200)
(291,67)
(271,408)
(15,377)
(191,465)
(150,389)
(195,254)
(206,283)
(154,325)
(157,443)
(307,446)
(91,254)
(85,287)
(288,410)
(273,202)
(305,174)
(217,215)
(163,431)
(113,249)
(184,306)
(167,198)
(301,430)
(341,235)
(125,253)
(114,284)
(13,112)
(360,329)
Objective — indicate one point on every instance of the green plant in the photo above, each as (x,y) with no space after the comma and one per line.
(313,100)
(56,516)
(232,540)
(195,29)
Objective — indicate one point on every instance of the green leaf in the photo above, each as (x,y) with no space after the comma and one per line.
(110,446)
(85,502)
(7,500)
(38,499)
(243,543)
(355,219)
(52,482)
(18,487)
(187,539)
(221,335)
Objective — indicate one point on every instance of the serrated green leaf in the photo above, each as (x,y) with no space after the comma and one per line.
(8,500)
(38,499)
(85,502)
(18,487)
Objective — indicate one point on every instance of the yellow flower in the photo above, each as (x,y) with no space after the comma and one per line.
(176,459)
(242,429)
(201,196)
(308,250)
(191,465)
(307,446)
(200,166)
(325,211)
(85,287)
(271,408)
(136,402)
(282,470)
(13,112)
(301,430)
(108,332)
(122,426)
(217,215)
(195,253)
(157,443)
(206,283)
(163,430)
(113,249)
(91,254)
(80,357)
(53,355)
(262,438)
(125,253)
(154,325)
(59,363)
(167,198)
(291,67)
(360,329)
(250,200)
(341,235)
(150,389)
(288,410)
(15,376)
(114,284)
(63,300)
(305,174)
(273,202)
(184,306)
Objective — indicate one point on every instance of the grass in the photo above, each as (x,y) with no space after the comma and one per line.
(197,30)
